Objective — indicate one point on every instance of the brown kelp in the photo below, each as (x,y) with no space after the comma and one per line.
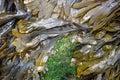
(30,28)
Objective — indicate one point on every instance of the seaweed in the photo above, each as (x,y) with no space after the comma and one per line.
(29,29)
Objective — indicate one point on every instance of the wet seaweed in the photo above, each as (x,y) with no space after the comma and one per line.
(29,29)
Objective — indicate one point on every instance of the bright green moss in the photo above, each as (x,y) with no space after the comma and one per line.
(59,64)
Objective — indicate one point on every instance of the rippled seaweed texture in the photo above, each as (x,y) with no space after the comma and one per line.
(30,29)
(96,57)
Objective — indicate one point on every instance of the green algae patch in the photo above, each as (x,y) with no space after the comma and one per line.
(59,64)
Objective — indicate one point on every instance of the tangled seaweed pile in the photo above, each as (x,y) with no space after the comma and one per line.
(30,28)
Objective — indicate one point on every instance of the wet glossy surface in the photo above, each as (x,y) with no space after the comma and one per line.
(30,29)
